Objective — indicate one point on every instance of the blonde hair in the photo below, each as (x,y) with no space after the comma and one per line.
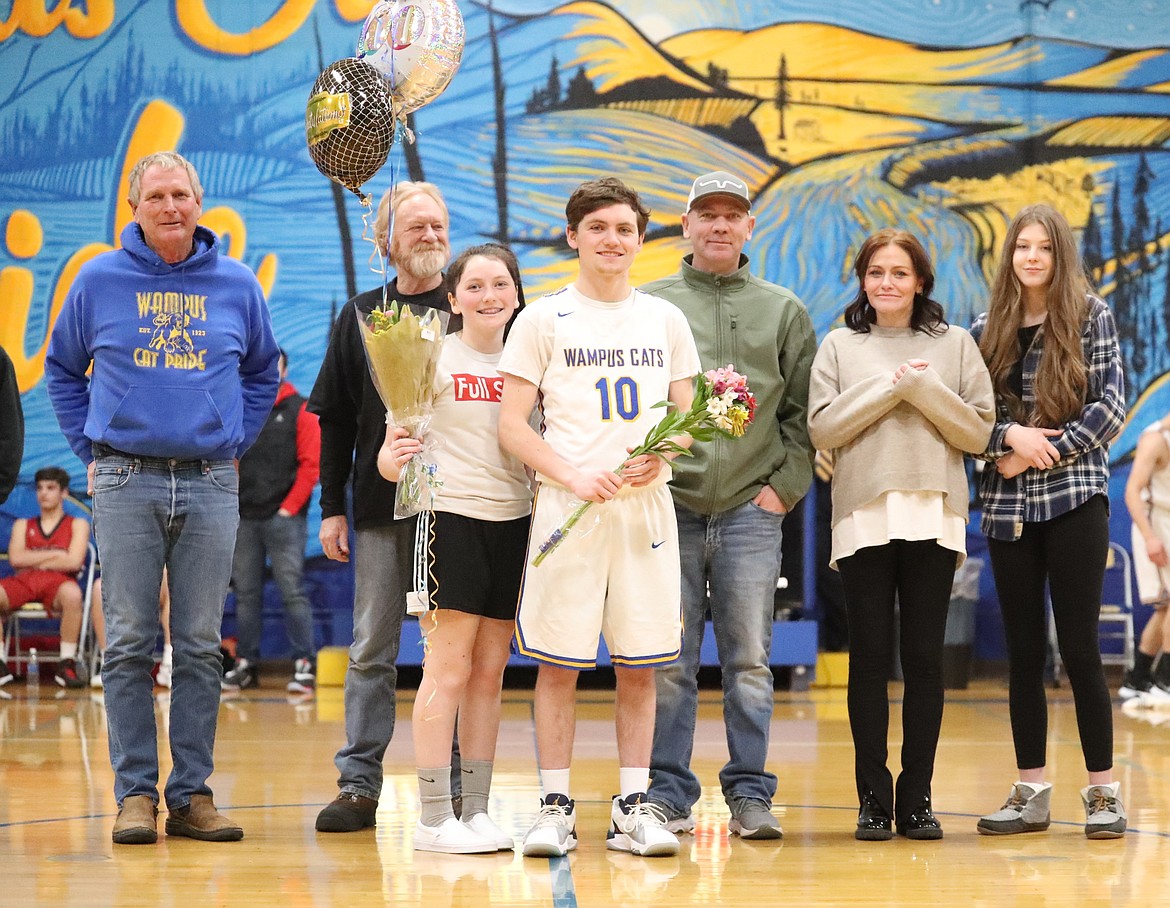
(167,160)
(393,200)
(1062,377)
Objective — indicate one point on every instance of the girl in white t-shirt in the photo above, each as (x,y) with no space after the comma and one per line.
(475,556)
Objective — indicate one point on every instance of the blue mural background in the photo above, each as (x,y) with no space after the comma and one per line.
(940,115)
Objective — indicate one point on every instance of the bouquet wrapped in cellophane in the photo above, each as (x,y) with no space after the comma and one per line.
(723,405)
(402,345)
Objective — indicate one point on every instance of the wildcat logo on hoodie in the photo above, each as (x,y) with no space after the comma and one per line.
(171,345)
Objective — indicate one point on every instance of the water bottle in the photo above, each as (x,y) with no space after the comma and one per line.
(33,673)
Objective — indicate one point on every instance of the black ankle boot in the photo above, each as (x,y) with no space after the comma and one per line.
(921,824)
(873,823)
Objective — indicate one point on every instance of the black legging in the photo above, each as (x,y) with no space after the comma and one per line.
(921,574)
(1070,552)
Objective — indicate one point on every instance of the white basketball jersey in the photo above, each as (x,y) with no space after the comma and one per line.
(600,367)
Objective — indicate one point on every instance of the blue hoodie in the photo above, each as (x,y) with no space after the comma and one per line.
(184,359)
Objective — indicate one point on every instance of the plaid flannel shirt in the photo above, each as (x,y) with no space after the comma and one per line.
(1083,468)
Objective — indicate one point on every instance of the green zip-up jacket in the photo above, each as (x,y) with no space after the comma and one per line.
(765,331)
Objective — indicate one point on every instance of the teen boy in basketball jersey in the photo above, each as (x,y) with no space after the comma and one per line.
(597,355)
(46,552)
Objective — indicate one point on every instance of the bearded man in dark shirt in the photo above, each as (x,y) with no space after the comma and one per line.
(353,427)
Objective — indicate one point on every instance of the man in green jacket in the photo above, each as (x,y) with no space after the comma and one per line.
(731,498)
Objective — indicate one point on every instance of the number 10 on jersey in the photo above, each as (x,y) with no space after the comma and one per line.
(623,399)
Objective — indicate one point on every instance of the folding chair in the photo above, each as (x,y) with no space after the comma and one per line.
(1116,622)
(14,652)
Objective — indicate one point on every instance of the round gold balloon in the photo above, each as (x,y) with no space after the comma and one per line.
(416,45)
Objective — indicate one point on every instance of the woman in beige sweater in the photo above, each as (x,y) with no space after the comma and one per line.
(898,395)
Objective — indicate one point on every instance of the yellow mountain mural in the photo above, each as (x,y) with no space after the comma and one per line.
(616,52)
(814,131)
(1115,132)
(816,51)
(1111,73)
(846,91)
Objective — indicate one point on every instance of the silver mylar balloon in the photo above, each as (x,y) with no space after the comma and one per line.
(348,123)
(416,45)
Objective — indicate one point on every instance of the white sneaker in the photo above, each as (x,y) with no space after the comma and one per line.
(554,834)
(451,837)
(1131,688)
(1155,696)
(483,826)
(304,679)
(639,827)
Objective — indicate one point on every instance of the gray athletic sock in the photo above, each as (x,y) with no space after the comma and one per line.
(477,782)
(434,792)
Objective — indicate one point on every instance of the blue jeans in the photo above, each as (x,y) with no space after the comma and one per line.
(150,513)
(282,539)
(738,553)
(382,572)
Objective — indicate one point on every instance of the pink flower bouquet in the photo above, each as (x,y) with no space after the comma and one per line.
(723,405)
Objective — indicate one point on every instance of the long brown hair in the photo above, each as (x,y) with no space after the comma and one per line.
(926,315)
(1062,378)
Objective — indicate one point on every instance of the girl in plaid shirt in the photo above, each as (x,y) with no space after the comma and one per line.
(1051,347)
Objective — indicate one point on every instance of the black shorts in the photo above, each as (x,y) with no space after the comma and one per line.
(476,565)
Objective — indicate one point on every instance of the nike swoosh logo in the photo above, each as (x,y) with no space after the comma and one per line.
(563,314)
(466,771)
(425,779)
(655,545)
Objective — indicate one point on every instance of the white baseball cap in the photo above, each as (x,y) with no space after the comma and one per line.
(719,182)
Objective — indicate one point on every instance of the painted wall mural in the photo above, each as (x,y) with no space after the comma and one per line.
(942,116)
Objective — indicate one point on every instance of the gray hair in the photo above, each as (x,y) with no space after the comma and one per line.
(167,160)
(394,198)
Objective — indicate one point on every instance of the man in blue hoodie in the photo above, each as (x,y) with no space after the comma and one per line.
(184,376)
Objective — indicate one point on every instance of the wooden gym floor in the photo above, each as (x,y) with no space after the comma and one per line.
(275,772)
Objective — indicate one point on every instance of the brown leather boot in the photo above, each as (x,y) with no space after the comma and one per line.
(200,820)
(137,822)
